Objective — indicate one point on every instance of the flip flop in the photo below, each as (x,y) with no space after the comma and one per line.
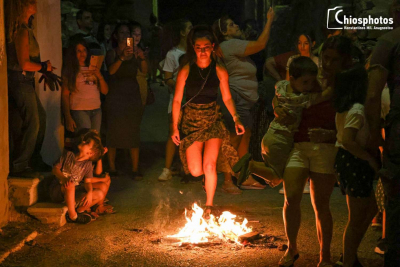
(241,163)
(254,186)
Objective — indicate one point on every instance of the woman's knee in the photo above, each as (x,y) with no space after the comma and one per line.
(195,170)
(210,167)
(292,199)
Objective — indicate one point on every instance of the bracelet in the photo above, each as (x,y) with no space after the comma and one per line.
(120,59)
(236,117)
(44,67)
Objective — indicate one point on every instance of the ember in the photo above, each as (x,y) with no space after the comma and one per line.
(198,230)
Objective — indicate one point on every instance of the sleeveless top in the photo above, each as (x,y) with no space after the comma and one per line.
(34,52)
(196,79)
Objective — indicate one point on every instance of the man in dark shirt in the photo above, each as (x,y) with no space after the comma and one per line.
(385,68)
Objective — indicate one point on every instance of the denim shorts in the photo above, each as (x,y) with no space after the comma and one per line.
(87,119)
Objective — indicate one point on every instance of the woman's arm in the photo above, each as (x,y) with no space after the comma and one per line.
(176,103)
(99,168)
(270,68)
(168,78)
(65,96)
(142,60)
(227,98)
(256,46)
(22,48)
(350,144)
(103,86)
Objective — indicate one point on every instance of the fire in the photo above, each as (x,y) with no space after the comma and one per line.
(198,230)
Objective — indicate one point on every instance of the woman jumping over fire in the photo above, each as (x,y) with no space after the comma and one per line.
(201,120)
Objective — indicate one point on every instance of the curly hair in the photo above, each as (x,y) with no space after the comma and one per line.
(14,11)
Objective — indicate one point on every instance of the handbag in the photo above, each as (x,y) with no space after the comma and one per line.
(180,120)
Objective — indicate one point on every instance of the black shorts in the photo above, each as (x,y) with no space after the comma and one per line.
(355,176)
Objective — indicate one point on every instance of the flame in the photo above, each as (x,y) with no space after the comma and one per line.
(198,230)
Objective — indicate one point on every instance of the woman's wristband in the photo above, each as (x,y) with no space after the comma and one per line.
(120,59)
(44,67)
(236,117)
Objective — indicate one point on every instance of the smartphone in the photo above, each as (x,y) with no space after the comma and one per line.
(129,42)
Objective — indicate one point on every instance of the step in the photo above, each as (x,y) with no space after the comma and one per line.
(23,191)
(49,213)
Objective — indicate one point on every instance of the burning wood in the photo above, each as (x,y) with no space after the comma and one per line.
(198,230)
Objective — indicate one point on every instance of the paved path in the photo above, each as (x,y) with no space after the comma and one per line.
(158,209)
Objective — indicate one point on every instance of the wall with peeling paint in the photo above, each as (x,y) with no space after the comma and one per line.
(4,203)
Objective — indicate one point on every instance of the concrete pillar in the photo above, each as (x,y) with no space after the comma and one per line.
(48,33)
(4,146)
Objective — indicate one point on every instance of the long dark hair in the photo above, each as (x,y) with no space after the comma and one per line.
(71,67)
(350,87)
(220,26)
(201,31)
(134,25)
(343,46)
(310,38)
(115,33)
(171,35)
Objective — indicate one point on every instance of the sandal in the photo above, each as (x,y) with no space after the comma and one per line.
(287,260)
(104,209)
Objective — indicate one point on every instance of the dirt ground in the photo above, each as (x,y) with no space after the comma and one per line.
(157,209)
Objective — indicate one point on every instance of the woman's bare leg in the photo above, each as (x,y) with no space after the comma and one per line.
(294,180)
(211,150)
(112,152)
(361,212)
(170,149)
(321,186)
(194,157)
(135,158)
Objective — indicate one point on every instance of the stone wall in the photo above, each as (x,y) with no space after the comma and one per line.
(4,162)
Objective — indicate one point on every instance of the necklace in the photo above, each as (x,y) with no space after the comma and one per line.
(204,69)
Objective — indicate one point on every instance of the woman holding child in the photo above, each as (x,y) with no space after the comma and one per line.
(206,146)
(313,156)
(81,89)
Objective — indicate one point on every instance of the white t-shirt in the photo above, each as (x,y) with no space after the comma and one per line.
(353,118)
(87,93)
(241,69)
(171,64)
(294,102)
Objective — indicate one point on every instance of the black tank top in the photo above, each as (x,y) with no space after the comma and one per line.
(196,79)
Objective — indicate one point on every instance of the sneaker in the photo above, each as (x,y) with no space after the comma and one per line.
(281,191)
(306,189)
(82,218)
(381,247)
(165,175)
(377,220)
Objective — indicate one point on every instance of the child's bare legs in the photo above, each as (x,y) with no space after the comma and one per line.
(69,196)
(104,186)
(264,172)
(112,152)
(361,212)
(97,197)
(135,158)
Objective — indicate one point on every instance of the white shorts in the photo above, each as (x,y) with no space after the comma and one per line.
(319,158)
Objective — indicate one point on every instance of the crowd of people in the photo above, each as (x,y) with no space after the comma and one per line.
(314,120)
